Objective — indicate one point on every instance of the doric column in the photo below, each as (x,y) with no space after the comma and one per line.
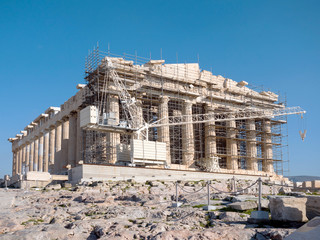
(20,160)
(51,148)
(40,151)
(17,161)
(267,165)
(58,153)
(31,158)
(232,150)
(23,166)
(14,160)
(163,132)
(46,151)
(139,115)
(27,157)
(64,146)
(79,140)
(252,163)
(72,143)
(114,138)
(210,135)
(187,136)
(36,155)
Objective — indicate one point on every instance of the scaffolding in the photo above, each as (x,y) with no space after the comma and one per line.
(148,81)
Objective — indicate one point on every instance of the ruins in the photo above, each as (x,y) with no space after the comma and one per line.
(140,116)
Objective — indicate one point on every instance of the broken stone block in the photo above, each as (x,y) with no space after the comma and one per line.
(288,209)
(231,217)
(243,205)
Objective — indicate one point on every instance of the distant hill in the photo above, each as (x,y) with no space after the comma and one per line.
(303,178)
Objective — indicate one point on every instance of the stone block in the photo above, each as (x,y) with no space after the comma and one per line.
(258,217)
(231,217)
(288,209)
(310,230)
(307,184)
(243,198)
(313,206)
(315,184)
(38,176)
(243,205)
(209,208)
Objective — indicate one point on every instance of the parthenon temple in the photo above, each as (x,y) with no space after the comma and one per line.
(98,128)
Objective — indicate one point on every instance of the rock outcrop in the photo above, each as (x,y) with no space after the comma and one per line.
(125,210)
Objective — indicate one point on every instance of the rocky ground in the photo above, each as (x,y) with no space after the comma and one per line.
(126,210)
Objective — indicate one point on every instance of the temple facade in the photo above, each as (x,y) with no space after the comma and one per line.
(55,142)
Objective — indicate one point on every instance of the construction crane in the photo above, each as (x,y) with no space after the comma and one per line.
(130,108)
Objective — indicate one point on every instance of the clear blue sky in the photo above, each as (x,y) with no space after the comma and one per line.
(43,45)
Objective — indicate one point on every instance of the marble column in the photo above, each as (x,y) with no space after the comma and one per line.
(163,132)
(232,150)
(52,140)
(17,161)
(267,164)
(36,155)
(72,143)
(23,166)
(79,140)
(27,157)
(187,136)
(252,163)
(139,116)
(40,155)
(31,158)
(46,151)
(20,160)
(210,135)
(64,144)
(14,160)
(58,153)
(114,138)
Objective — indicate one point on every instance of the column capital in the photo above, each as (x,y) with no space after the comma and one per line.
(72,113)
(65,118)
(209,106)
(58,123)
(46,132)
(164,99)
(188,102)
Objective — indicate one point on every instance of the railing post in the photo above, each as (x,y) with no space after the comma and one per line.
(260,193)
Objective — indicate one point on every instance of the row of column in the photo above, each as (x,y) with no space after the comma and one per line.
(53,150)
(60,146)
(210,139)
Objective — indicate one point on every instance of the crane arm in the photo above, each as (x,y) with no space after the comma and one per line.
(225,116)
(128,103)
